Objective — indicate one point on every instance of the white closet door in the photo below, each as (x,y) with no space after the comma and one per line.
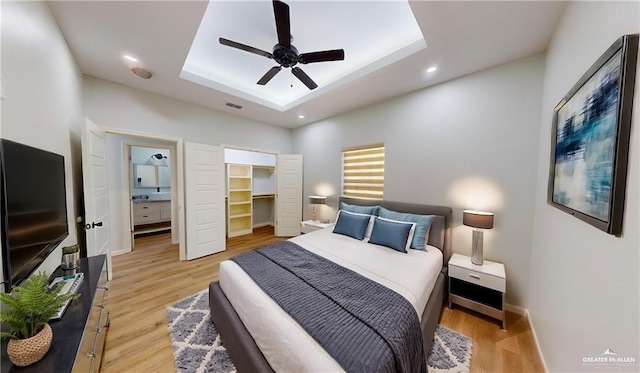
(96,201)
(204,189)
(289,195)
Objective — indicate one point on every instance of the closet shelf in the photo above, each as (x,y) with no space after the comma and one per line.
(239,202)
(260,196)
(234,216)
(238,232)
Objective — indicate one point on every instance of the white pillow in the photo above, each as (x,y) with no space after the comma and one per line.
(411,231)
(367,233)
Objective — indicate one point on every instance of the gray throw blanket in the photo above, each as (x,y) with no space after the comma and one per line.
(364,326)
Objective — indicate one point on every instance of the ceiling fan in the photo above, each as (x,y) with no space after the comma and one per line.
(284,53)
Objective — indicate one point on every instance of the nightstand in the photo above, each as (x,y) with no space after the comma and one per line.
(479,288)
(308,226)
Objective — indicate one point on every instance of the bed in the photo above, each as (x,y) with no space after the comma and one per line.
(236,297)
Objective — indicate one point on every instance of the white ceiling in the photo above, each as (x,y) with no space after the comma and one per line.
(462,38)
(392,34)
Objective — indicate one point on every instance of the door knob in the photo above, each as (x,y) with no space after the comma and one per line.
(93,225)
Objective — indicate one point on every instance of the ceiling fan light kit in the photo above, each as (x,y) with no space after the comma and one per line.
(284,53)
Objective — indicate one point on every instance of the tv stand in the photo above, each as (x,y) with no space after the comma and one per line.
(78,337)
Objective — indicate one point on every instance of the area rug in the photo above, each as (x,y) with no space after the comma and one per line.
(197,347)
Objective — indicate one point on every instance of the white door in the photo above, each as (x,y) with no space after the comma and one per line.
(94,182)
(204,192)
(289,195)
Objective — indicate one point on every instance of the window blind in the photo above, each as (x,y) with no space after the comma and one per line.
(363,172)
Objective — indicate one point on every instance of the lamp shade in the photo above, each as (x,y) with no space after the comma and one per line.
(477,219)
(317,200)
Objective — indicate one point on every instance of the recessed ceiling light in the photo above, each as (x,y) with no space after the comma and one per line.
(132,59)
(141,73)
(432,69)
(301,116)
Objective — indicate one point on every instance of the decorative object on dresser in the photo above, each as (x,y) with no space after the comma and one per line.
(478,220)
(70,256)
(314,201)
(590,140)
(78,337)
(26,312)
(479,288)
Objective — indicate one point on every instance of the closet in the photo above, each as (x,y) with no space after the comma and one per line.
(239,200)
(251,190)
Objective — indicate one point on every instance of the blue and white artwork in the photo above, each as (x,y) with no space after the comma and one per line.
(585,144)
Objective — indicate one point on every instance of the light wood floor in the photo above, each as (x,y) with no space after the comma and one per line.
(151,278)
(495,350)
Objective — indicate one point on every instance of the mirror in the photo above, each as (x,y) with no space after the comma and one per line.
(145,176)
(164,177)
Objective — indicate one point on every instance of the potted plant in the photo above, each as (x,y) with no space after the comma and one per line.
(70,256)
(26,312)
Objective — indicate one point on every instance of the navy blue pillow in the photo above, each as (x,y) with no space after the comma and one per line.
(423,225)
(351,225)
(390,234)
(369,210)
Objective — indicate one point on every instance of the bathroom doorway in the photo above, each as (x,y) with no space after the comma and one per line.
(143,192)
(150,190)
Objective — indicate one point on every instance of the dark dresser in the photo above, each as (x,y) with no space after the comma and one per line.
(79,336)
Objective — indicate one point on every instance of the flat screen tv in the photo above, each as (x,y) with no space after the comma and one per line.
(34,208)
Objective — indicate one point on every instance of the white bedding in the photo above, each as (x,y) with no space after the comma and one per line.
(284,344)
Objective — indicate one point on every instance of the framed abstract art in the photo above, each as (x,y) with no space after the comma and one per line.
(590,140)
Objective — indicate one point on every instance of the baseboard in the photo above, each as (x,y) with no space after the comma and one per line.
(515,309)
(119,252)
(535,339)
(264,224)
(525,312)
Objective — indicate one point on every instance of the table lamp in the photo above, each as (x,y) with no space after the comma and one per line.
(314,201)
(479,220)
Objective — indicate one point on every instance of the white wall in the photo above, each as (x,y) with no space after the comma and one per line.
(113,105)
(42,95)
(467,143)
(585,284)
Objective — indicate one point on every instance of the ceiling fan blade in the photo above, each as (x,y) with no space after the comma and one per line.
(283,25)
(304,78)
(322,56)
(269,75)
(246,48)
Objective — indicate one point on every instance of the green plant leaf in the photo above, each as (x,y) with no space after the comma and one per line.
(71,249)
(30,306)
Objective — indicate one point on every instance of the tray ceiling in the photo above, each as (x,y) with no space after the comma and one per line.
(384,56)
(387,34)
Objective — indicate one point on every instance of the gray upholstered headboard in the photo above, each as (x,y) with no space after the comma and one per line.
(440,232)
